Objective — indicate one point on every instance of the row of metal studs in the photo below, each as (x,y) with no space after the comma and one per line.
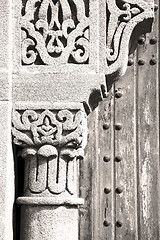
(118,190)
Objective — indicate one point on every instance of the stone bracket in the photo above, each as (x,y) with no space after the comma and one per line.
(123,17)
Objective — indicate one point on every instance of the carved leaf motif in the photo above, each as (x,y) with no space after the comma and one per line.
(52,29)
(81,53)
(28,56)
(51,170)
(21,139)
(61,129)
(28,117)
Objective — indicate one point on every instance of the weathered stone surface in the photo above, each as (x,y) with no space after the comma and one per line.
(49,222)
(6,156)
(5,86)
(43,86)
(72,45)
(6,34)
(57,127)
(62,29)
(53,141)
(63,41)
(50,201)
(6,173)
(119,33)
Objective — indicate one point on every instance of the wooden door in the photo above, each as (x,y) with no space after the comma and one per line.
(120,176)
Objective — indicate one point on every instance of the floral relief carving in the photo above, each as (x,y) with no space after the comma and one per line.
(54,31)
(122,17)
(53,142)
(37,128)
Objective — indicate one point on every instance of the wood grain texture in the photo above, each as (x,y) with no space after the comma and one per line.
(125,170)
(148,136)
(106,163)
(124,186)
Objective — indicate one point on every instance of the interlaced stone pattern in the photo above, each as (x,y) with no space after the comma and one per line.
(54,31)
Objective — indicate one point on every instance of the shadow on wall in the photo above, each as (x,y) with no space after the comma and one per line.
(19,182)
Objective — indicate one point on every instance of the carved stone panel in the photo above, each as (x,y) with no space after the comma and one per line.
(56,34)
(55,31)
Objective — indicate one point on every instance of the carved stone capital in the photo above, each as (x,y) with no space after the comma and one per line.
(53,139)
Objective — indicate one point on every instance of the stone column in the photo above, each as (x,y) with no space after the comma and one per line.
(53,141)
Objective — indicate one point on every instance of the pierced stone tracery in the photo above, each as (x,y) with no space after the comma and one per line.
(54,31)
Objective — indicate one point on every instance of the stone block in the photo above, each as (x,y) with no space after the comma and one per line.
(6,33)
(4,86)
(6,172)
(56,87)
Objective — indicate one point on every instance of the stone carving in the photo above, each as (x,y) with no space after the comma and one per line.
(33,128)
(52,142)
(57,32)
(51,170)
(54,31)
(122,17)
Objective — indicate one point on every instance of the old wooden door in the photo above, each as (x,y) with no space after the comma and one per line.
(120,177)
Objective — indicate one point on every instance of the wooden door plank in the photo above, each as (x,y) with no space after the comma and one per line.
(148,136)
(136,143)
(125,170)
(106,161)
